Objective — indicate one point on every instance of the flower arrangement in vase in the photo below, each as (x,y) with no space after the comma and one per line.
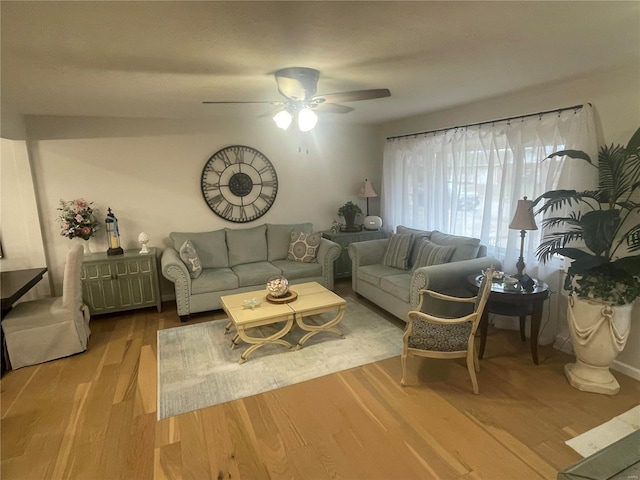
(77,219)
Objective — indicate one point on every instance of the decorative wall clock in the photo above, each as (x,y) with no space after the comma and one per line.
(239,183)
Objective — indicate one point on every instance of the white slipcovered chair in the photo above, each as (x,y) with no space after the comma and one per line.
(41,330)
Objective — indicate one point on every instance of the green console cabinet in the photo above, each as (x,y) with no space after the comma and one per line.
(342,267)
(120,282)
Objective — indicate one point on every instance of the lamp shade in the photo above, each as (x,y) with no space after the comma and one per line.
(306,119)
(523,218)
(367,191)
(283,119)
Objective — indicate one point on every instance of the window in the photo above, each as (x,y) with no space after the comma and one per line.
(467,181)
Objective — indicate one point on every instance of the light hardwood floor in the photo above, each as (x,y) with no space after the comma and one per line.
(93,416)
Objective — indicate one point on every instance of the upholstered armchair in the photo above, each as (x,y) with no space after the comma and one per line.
(41,330)
(438,337)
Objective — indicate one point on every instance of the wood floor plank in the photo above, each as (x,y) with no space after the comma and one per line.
(93,416)
(146,382)
(167,464)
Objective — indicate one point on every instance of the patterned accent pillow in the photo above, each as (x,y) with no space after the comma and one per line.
(190,258)
(431,254)
(304,246)
(397,252)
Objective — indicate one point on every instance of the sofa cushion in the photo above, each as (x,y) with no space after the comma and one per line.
(190,258)
(296,270)
(466,247)
(431,254)
(247,245)
(418,235)
(304,246)
(373,273)
(440,338)
(213,280)
(397,285)
(398,249)
(279,237)
(257,273)
(211,246)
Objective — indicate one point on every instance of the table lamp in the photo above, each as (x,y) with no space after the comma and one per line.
(523,220)
(370,222)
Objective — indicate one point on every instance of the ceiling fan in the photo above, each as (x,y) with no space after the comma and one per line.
(299,86)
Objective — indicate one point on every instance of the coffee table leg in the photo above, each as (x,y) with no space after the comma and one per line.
(228,327)
(257,342)
(330,326)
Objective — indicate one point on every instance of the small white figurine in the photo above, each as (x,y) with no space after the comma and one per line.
(143,238)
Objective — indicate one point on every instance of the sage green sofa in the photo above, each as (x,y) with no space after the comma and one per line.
(240,260)
(397,290)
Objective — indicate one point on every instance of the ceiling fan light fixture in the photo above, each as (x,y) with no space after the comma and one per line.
(307,119)
(283,119)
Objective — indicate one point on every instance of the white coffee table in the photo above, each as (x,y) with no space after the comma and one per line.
(312,299)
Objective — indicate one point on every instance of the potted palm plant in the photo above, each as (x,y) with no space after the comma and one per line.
(349,211)
(601,236)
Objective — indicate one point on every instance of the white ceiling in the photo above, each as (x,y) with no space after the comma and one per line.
(162,59)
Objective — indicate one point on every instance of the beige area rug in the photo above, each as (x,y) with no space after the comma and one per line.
(609,432)
(197,367)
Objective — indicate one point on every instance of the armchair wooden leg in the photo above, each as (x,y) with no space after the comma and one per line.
(472,371)
(403,361)
(476,360)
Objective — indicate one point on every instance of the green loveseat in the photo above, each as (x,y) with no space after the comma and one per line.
(397,290)
(240,260)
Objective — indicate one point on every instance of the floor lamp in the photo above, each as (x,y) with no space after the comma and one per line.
(523,220)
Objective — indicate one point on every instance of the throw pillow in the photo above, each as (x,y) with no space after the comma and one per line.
(431,254)
(397,252)
(190,258)
(304,246)
(466,247)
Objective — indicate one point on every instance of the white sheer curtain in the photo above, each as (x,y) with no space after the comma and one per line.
(467,181)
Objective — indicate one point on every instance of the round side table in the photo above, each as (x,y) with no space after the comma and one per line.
(514,302)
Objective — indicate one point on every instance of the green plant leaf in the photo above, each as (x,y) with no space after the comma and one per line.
(599,228)
(630,264)
(579,154)
(634,143)
(587,263)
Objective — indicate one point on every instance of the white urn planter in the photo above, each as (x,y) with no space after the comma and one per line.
(599,333)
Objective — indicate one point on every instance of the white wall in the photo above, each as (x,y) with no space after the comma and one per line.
(615,96)
(148,172)
(20,234)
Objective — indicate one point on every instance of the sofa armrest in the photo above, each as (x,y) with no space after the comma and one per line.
(364,253)
(174,270)
(447,276)
(368,252)
(328,252)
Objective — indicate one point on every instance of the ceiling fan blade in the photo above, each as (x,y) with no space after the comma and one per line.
(331,108)
(353,96)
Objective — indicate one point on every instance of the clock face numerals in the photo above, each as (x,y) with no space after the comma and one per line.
(239,183)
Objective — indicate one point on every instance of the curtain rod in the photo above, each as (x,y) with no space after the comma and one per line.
(507,119)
